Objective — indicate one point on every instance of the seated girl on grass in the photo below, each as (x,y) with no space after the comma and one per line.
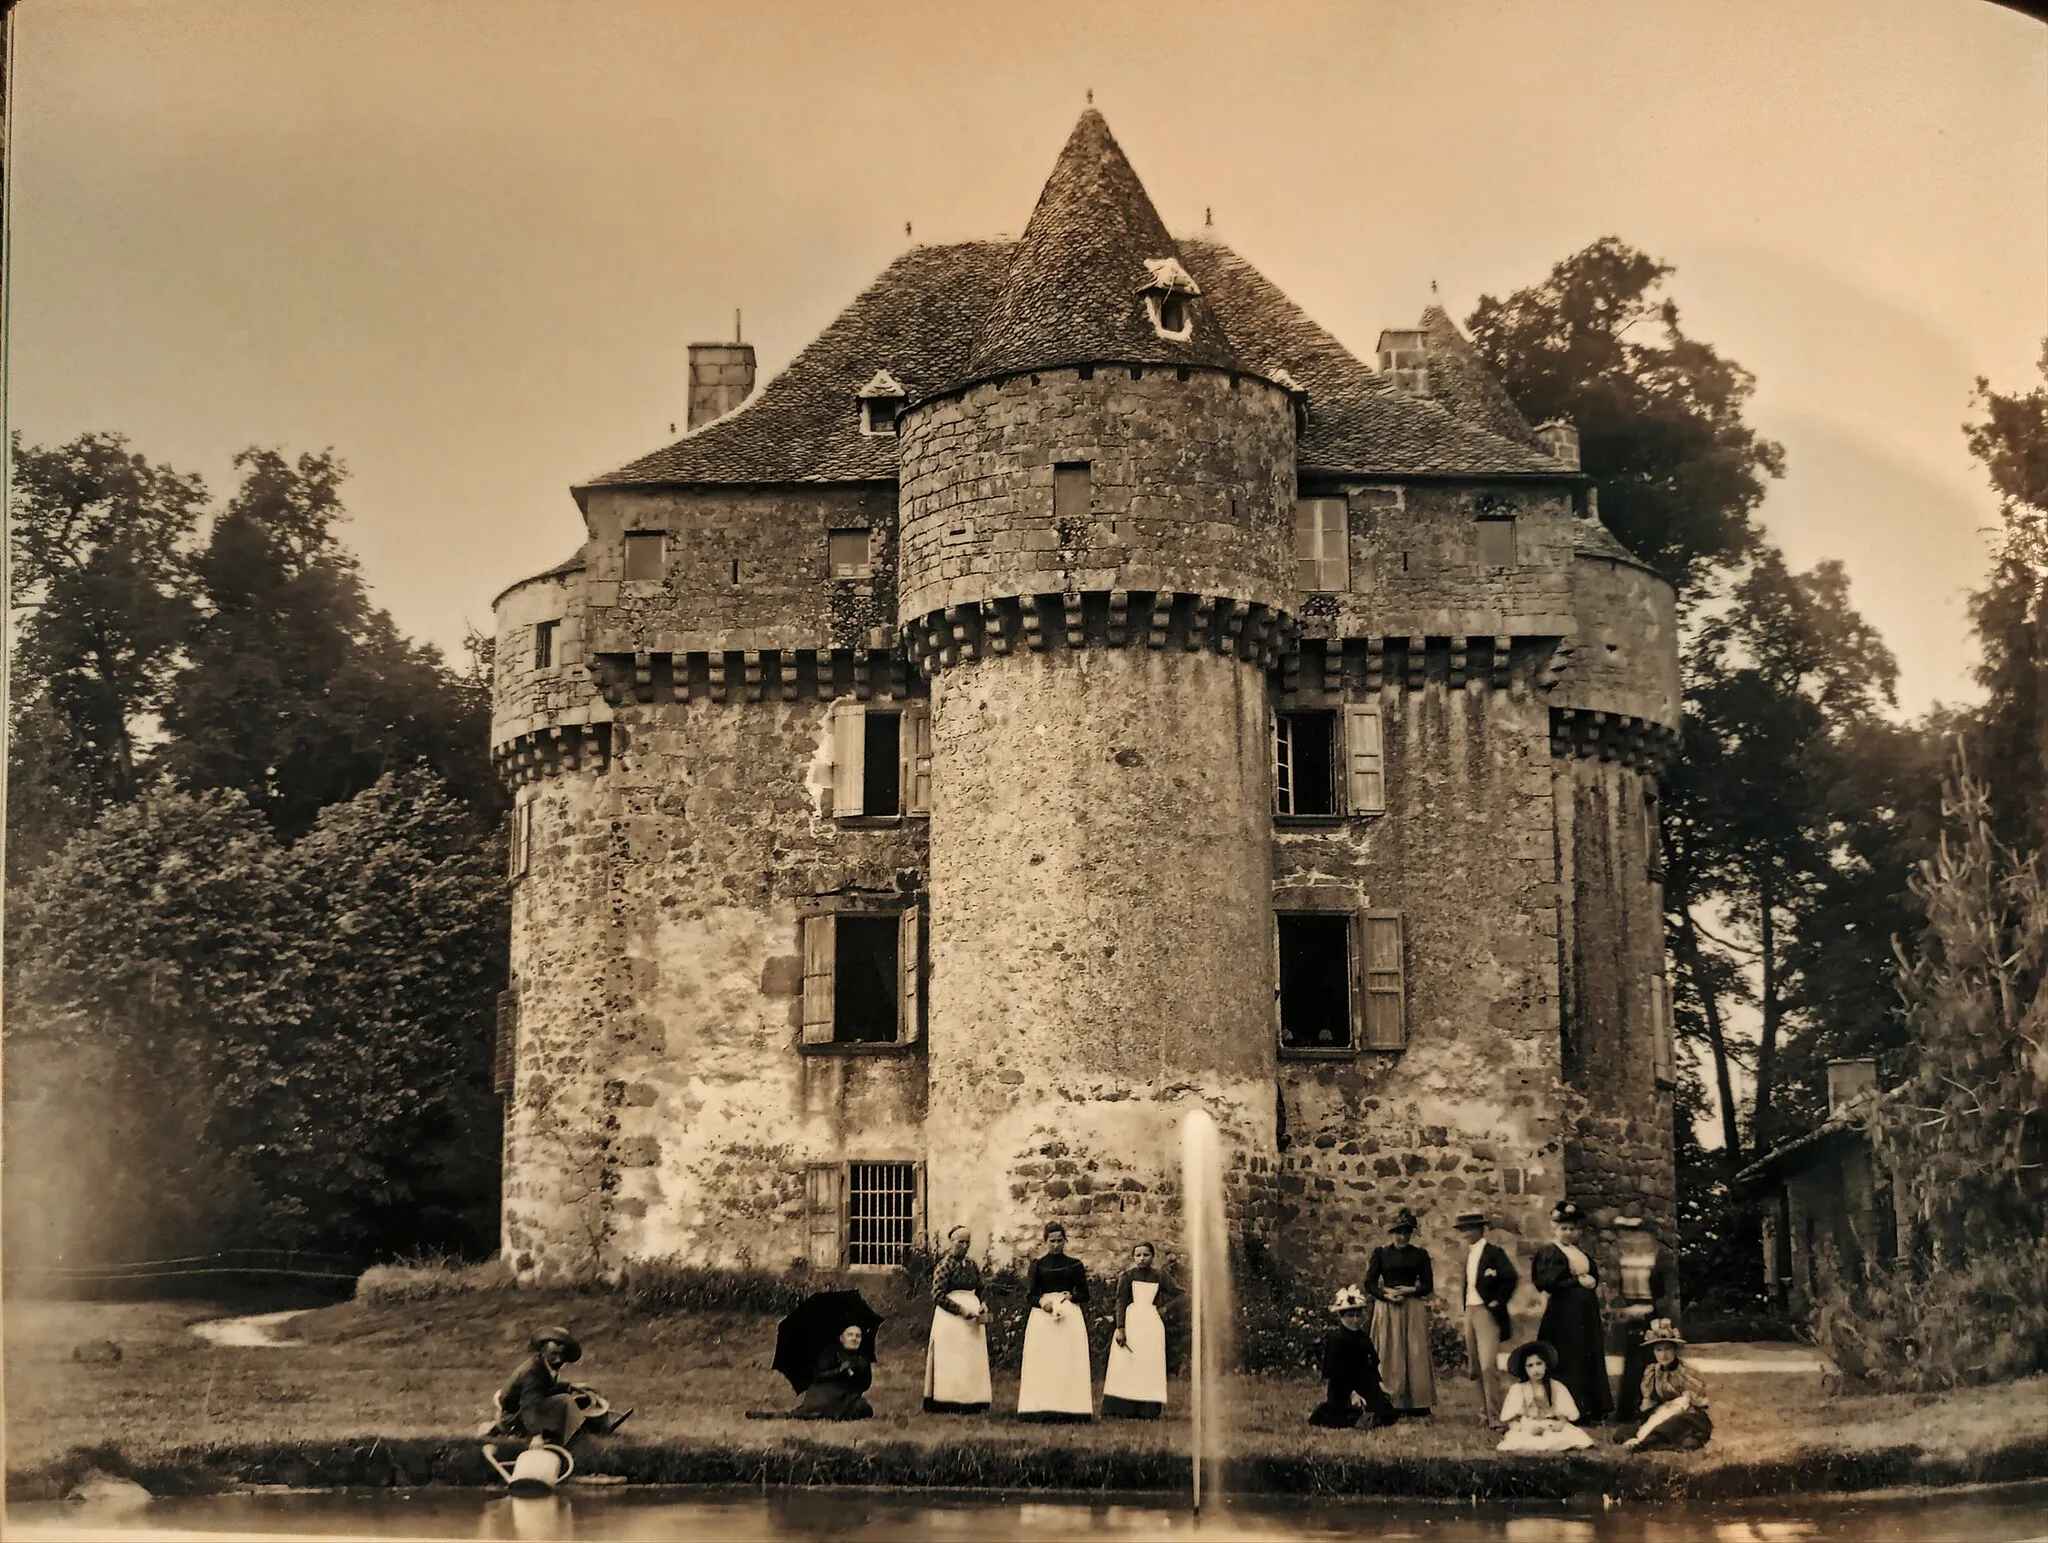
(1674,1403)
(1538,1411)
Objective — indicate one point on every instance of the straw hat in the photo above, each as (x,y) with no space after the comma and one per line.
(1466,1219)
(571,1351)
(1662,1331)
(1518,1359)
(1349,1299)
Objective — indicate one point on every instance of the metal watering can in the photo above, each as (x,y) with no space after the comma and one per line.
(536,1470)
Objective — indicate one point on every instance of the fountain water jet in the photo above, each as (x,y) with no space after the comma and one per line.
(1212,1310)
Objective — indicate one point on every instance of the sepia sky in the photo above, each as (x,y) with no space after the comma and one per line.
(465,242)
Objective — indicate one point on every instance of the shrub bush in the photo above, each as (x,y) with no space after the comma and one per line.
(430,1278)
(1922,1325)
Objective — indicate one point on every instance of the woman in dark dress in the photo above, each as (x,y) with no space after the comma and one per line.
(1351,1368)
(1400,1282)
(1057,1381)
(1571,1318)
(842,1376)
(1134,1382)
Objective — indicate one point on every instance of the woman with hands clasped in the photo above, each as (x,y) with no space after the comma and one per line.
(1400,1281)
(956,1377)
(1057,1382)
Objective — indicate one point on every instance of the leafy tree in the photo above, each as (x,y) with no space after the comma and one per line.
(1659,414)
(102,605)
(297,690)
(2011,614)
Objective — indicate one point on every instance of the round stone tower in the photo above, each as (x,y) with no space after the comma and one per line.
(1094,573)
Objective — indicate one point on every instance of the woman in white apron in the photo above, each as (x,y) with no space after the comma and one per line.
(956,1357)
(1134,1387)
(1057,1382)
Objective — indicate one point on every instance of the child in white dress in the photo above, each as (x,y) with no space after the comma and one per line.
(1539,1412)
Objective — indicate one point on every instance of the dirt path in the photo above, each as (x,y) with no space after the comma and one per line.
(253,1332)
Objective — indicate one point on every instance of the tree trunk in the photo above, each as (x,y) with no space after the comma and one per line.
(1710,1005)
(1767,1040)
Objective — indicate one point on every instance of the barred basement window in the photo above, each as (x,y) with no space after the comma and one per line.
(1497,543)
(881,1212)
(544,644)
(646,554)
(1322,545)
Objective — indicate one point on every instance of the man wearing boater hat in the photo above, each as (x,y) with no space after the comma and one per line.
(539,1402)
(1490,1281)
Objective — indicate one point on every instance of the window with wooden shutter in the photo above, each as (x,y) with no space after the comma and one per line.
(823,1183)
(1304,754)
(1661,1048)
(881,773)
(1365,757)
(1386,992)
(819,962)
(910,975)
(917,760)
(1315,980)
(849,757)
(505,1059)
(518,839)
(1322,545)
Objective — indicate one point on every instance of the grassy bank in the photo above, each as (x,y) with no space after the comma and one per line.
(388,1394)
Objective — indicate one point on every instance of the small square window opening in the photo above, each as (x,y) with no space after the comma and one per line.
(544,644)
(851,554)
(1322,545)
(646,554)
(866,989)
(878,414)
(1073,490)
(1497,543)
(1315,981)
(881,1212)
(1304,763)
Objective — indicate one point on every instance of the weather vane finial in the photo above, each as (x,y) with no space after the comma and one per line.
(1091,96)
(906,230)
(1432,286)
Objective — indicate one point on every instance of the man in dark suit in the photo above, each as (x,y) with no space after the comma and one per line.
(1490,1279)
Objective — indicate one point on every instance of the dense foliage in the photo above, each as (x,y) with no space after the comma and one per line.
(256,902)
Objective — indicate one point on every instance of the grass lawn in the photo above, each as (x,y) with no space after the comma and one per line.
(428,1370)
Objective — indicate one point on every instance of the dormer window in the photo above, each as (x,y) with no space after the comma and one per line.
(881,401)
(1166,297)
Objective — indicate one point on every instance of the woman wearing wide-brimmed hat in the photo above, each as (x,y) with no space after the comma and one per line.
(1571,1318)
(1351,1368)
(1539,1409)
(956,1379)
(540,1403)
(1400,1281)
(1674,1400)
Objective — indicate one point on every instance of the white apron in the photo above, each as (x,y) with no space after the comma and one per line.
(1138,1374)
(956,1358)
(1056,1379)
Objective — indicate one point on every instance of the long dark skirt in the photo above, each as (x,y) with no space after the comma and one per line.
(1571,1322)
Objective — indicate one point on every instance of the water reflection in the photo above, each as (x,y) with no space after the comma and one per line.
(2014,1514)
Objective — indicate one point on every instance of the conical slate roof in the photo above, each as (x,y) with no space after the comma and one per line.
(1072,292)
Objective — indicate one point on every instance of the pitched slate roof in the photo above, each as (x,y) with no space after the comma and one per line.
(1068,292)
(1071,295)
(1459,378)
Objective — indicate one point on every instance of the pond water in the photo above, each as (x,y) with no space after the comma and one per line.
(2003,1514)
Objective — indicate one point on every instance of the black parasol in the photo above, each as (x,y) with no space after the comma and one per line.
(815,1326)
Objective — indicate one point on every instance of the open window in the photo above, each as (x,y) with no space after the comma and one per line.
(881,760)
(646,555)
(544,643)
(1317,988)
(518,840)
(863,1215)
(882,401)
(1166,293)
(863,977)
(1322,545)
(1327,763)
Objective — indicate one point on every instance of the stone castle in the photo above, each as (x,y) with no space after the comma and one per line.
(1076,691)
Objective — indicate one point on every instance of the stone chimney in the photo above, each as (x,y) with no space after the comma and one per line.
(1850,1082)
(1404,359)
(721,377)
(1560,441)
